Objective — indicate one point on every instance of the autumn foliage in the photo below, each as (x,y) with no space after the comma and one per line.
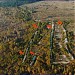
(59,22)
(21,52)
(49,26)
(35,26)
(32,53)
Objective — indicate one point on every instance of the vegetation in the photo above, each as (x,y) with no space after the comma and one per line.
(17,32)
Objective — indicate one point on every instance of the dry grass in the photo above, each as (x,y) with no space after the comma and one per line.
(64,10)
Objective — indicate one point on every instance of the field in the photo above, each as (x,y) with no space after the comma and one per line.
(33,37)
(56,10)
